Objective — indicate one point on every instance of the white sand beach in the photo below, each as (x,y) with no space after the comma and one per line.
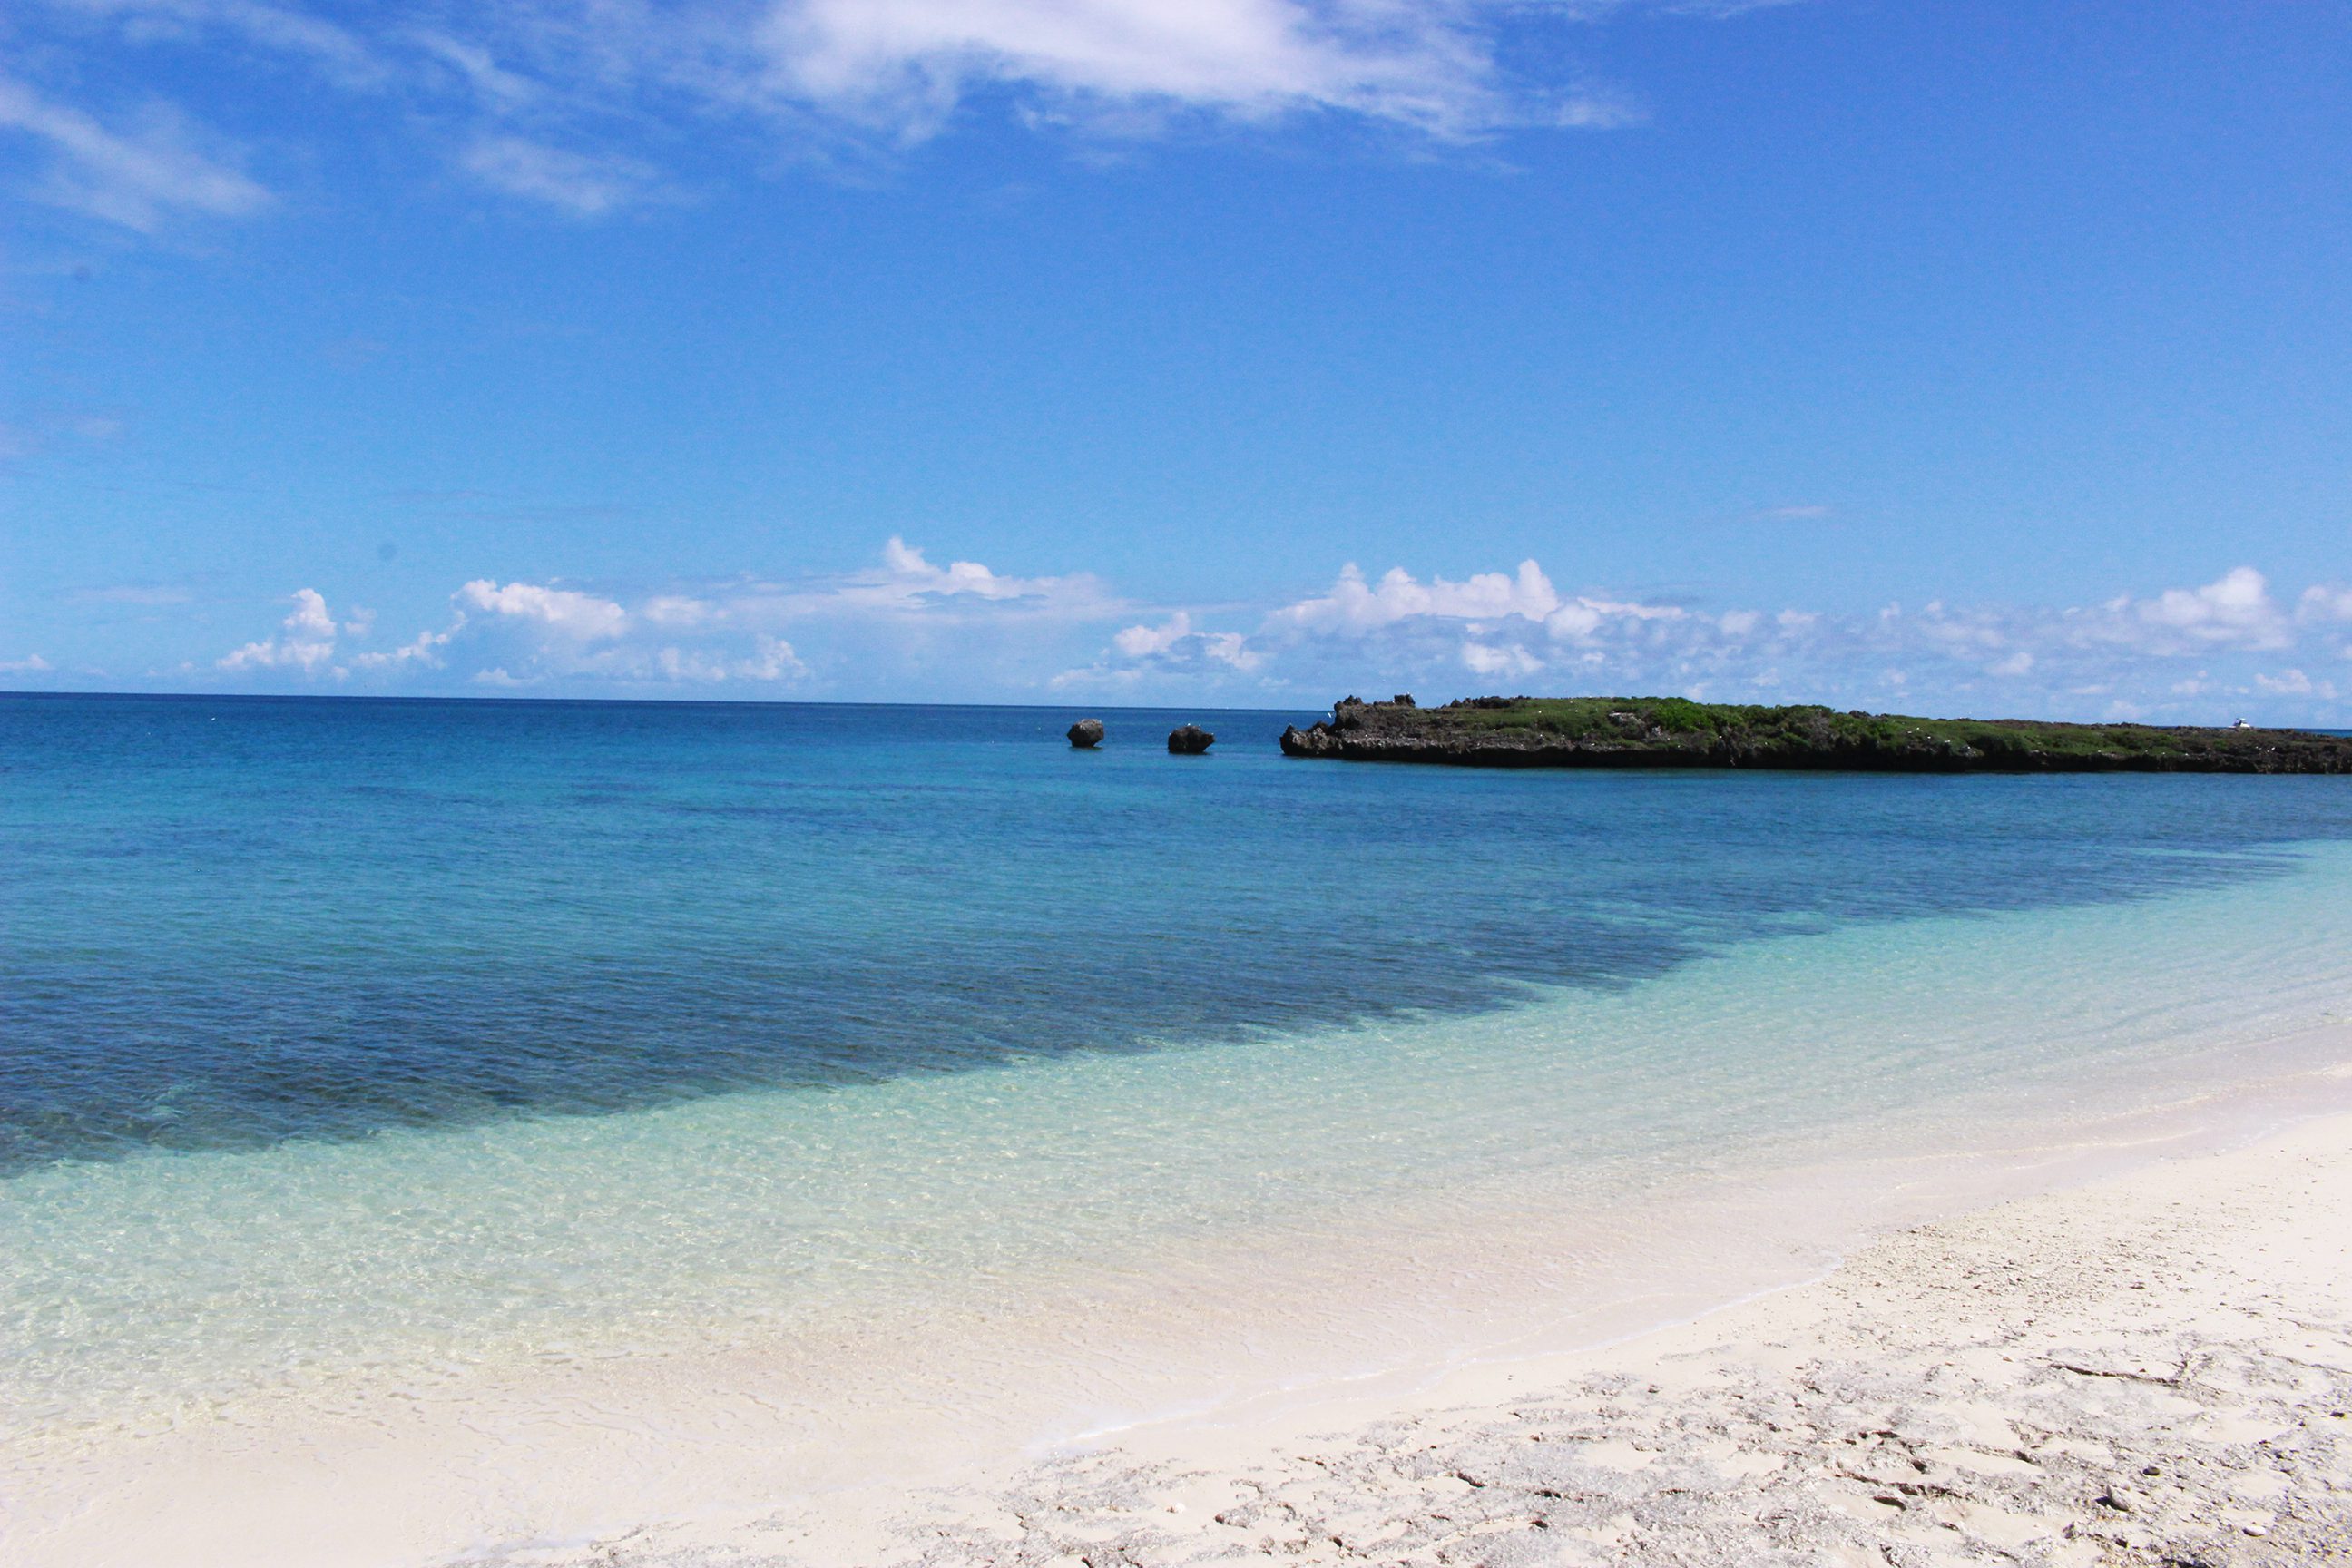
(2121,1340)
(2154,1369)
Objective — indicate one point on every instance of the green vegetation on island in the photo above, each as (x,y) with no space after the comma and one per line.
(1674,732)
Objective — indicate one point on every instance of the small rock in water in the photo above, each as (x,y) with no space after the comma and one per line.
(1087,734)
(1189,741)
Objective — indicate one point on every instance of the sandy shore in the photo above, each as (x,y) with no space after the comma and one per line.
(2156,1369)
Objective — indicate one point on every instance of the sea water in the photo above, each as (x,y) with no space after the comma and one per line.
(532,1056)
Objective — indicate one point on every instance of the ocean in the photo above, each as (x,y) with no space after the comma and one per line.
(915,1068)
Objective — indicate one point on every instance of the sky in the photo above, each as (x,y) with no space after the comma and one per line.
(1951,358)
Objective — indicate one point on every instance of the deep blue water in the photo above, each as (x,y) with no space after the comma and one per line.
(232,921)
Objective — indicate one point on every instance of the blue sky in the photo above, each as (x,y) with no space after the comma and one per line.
(1959,358)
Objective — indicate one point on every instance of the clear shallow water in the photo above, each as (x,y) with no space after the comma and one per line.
(347,1045)
(233,923)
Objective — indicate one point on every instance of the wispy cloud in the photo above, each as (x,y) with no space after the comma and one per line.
(135,174)
(552,100)
(288,30)
(907,583)
(2324,601)
(576,183)
(35,430)
(144,594)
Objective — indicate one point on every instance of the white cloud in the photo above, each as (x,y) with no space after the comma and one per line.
(1509,627)
(531,98)
(419,651)
(583,184)
(569,613)
(681,610)
(2293,683)
(31,664)
(1353,604)
(911,577)
(1580,618)
(307,643)
(527,633)
(907,582)
(288,31)
(1142,642)
(2324,603)
(2234,607)
(915,626)
(1489,601)
(1174,643)
(1481,659)
(151,594)
(905,64)
(136,176)
(771,658)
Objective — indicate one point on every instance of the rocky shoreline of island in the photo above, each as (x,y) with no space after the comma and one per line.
(1673,731)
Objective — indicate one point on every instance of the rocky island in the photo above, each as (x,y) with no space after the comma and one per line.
(1672,731)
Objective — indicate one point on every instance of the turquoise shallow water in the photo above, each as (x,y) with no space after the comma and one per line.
(234,922)
(354,1044)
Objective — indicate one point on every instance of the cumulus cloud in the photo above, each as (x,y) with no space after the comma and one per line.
(913,625)
(2236,608)
(581,617)
(31,664)
(523,634)
(1480,658)
(2293,683)
(306,641)
(1353,604)
(1507,628)
(520,634)
(1175,645)
(420,651)
(905,611)
(531,98)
